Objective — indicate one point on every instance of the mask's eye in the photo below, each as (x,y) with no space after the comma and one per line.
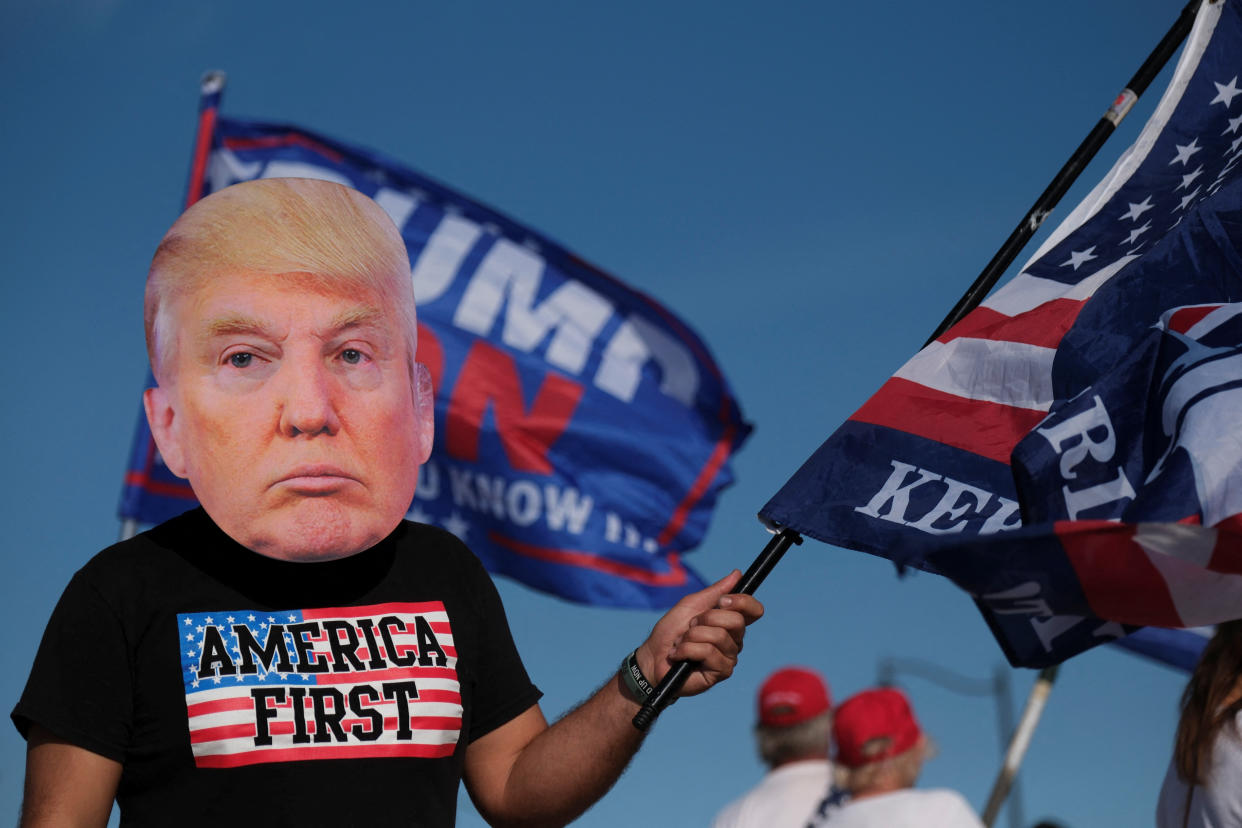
(351,356)
(241,359)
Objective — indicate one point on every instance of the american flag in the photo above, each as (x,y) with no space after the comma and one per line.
(986,457)
(348,682)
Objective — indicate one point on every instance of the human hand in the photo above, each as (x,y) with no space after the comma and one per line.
(705,627)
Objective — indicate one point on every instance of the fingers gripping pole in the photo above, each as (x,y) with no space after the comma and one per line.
(671,684)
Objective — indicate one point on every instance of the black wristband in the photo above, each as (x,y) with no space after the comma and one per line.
(640,689)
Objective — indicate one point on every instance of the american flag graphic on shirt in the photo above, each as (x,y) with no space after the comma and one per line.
(327,683)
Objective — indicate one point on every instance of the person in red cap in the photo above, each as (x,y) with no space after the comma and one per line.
(880,751)
(793,735)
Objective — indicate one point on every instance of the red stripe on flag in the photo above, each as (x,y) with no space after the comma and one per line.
(214,734)
(417,608)
(676,576)
(1186,318)
(288,139)
(1119,580)
(430,673)
(393,674)
(1227,555)
(391,724)
(326,752)
(717,459)
(446,696)
(159,487)
(1044,326)
(985,428)
(219,706)
(434,722)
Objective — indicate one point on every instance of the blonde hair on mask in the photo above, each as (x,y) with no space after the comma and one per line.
(329,237)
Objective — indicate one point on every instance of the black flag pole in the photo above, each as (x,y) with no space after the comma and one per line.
(667,689)
(669,686)
(1072,169)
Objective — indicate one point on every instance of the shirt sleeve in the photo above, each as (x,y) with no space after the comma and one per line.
(503,689)
(80,688)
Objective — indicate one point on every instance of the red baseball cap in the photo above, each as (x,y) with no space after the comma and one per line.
(880,714)
(792,695)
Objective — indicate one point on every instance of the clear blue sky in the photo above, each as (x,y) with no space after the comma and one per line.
(809,185)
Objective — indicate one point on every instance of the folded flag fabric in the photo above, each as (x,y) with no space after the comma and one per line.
(1070,453)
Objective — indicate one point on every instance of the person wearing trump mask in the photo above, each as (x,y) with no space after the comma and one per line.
(294,650)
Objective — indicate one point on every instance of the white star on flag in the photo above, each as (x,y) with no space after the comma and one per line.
(1186,201)
(1079,257)
(1226,94)
(1138,231)
(1137,210)
(1188,178)
(1234,123)
(1184,152)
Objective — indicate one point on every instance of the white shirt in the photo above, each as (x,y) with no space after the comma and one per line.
(784,798)
(931,808)
(1218,804)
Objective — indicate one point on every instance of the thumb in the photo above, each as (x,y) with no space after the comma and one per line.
(710,596)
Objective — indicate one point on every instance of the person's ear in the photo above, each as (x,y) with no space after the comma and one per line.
(161,416)
(424,411)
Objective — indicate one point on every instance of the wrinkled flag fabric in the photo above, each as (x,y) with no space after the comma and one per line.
(1070,453)
(583,432)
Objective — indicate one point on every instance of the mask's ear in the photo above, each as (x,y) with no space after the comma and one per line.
(424,410)
(161,417)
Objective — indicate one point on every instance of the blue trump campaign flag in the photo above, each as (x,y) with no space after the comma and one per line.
(583,432)
(1070,452)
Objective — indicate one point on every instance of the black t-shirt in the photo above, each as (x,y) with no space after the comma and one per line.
(237,687)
